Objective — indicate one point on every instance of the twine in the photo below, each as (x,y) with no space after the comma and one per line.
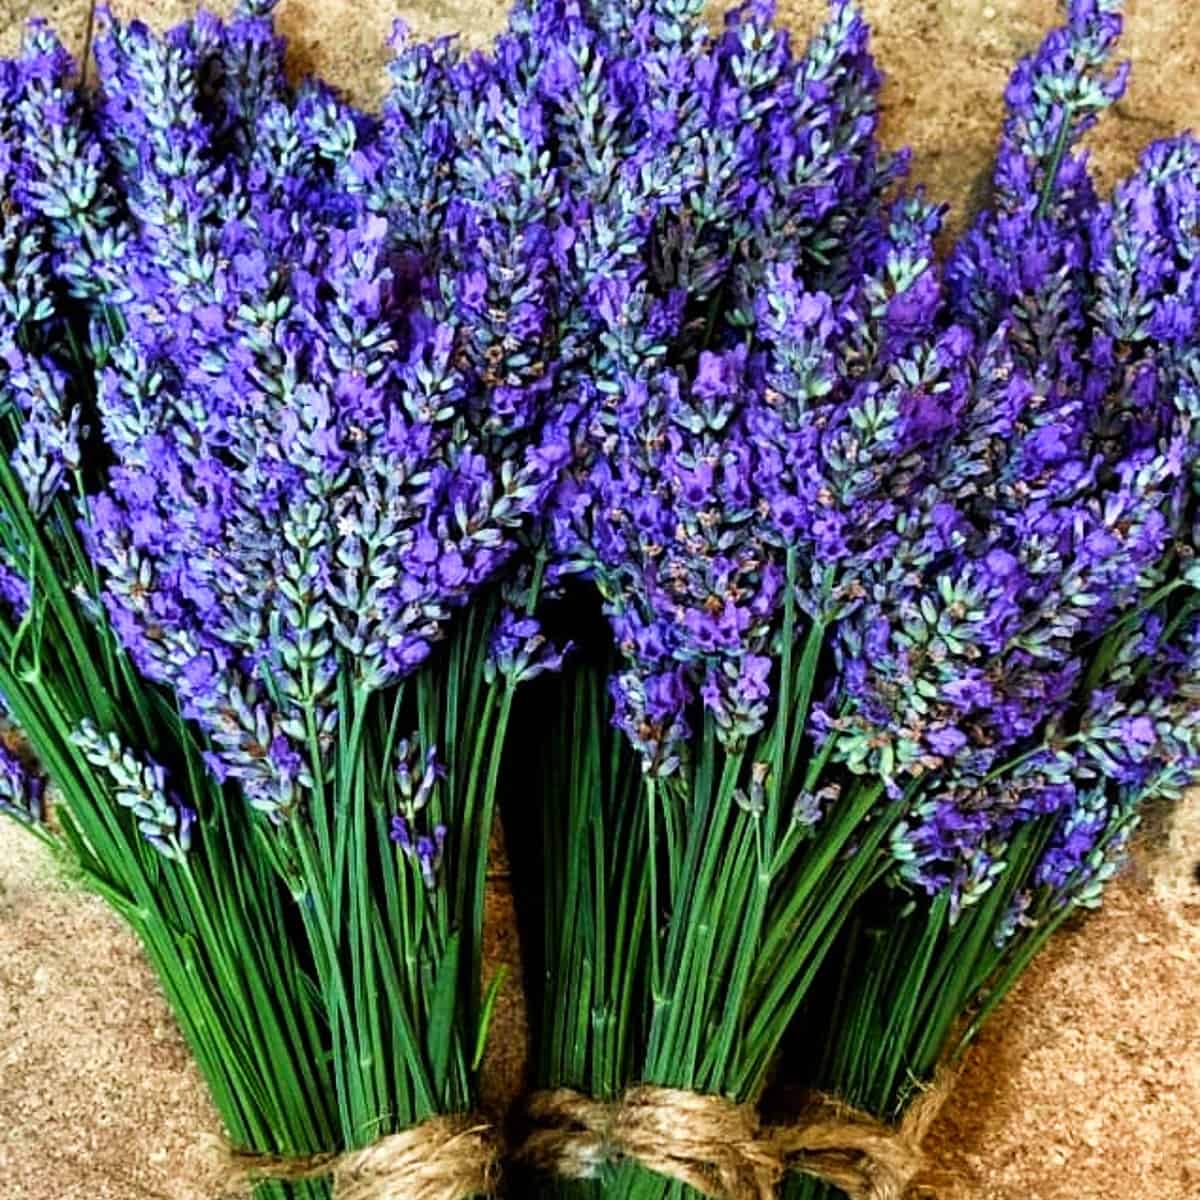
(445,1158)
(722,1150)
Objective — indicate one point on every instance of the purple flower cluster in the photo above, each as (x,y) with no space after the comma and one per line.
(977,483)
(1139,737)
(22,787)
(326,436)
(1064,506)
(520,650)
(165,821)
(731,363)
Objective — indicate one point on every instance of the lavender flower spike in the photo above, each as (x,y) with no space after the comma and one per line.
(520,651)
(416,780)
(22,788)
(164,820)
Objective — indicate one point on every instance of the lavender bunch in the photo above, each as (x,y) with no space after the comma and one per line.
(310,445)
(1063,628)
(215,924)
(1063,522)
(308,411)
(327,440)
(872,547)
(755,439)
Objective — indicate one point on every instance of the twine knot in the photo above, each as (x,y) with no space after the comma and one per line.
(722,1150)
(445,1158)
(707,1142)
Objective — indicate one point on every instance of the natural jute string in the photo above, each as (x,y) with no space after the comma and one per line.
(445,1158)
(722,1150)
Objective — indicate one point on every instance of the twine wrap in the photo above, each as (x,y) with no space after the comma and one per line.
(722,1150)
(445,1158)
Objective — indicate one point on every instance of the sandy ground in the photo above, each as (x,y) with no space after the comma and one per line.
(1087,1084)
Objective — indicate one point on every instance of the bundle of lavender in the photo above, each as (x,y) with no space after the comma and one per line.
(1078,530)
(701,508)
(136,813)
(279,417)
(899,573)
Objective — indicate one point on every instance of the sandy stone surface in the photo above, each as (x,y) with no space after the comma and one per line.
(1087,1084)
(69,17)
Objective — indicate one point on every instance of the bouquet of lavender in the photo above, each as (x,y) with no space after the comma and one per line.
(306,412)
(1080,522)
(766,393)
(135,812)
(281,415)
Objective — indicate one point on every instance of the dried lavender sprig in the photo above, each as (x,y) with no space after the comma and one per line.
(1028,238)
(165,821)
(49,448)
(520,650)
(15,591)
(62,172)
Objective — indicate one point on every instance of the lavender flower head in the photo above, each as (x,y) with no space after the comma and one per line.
(416,779)
(164,820)
(520,651)
(33,382)
(22,787)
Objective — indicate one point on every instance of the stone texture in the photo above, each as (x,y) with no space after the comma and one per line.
(69,17)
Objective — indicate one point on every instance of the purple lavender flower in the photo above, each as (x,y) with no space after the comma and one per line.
(36,199)
(1028,242)
(48,448)
(416,779)
(164,820)
(520,651)
(60,171)
(22,788)
(289,402)
(1061,504)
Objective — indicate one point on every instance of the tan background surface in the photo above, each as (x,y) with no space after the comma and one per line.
(1087,1084)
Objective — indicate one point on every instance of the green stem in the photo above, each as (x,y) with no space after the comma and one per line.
(1061,141)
